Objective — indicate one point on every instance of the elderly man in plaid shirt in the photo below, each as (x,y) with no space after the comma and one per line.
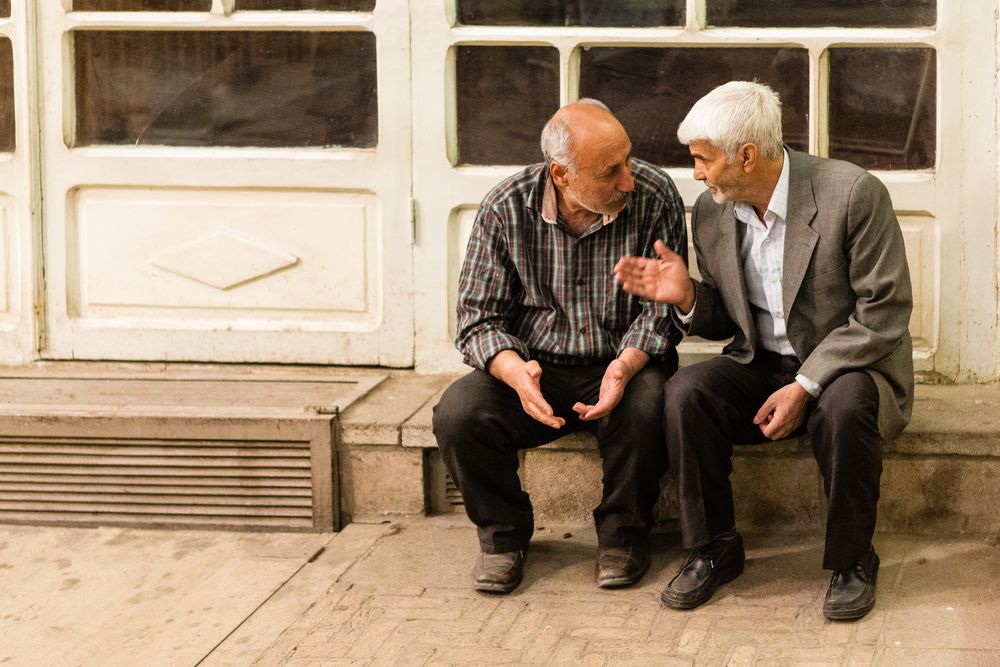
(557,347)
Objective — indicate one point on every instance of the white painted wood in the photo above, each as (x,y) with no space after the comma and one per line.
(17,266)
(948,213)
(221,254)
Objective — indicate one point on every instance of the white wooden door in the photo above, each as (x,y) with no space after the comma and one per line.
(17,242)
(226,182)
(908,92)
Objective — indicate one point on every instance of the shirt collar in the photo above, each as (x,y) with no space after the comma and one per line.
(550,206)
(779,198)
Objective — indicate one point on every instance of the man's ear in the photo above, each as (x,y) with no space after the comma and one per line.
(558,174)
(747,157)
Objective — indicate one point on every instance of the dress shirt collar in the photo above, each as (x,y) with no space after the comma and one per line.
(550,205)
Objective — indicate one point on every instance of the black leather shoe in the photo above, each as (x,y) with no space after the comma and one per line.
(706,569)
(621,566)
(498,573)
(852,591)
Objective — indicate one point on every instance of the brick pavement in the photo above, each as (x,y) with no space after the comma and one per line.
(407,601)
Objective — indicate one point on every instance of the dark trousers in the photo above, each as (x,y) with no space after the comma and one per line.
(711,405)
(480,426)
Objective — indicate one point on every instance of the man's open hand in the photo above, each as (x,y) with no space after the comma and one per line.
(665,279)
(612,387)
(526,382)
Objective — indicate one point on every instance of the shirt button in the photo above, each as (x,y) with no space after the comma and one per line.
(583,330)
(580,281)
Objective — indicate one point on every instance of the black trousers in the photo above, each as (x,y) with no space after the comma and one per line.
(711,405)
(480,426)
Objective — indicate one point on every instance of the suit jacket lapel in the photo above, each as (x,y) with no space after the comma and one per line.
(800,239)
(732,268)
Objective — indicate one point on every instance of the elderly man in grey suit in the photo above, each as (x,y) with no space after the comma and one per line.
(802,264)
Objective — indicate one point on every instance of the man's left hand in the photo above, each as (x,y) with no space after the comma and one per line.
(783,411)
(619,372)
(612,388)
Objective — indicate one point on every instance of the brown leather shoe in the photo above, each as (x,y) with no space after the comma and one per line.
(498,573)
(852,591)
(621,566)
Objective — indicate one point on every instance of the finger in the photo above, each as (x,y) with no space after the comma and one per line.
(547,419)
(764,411)
(661,249)
(534,370)
(581,409)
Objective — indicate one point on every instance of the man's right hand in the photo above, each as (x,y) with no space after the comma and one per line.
(524,378)
(665,279)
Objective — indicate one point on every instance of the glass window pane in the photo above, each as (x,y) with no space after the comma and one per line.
(142,5)
(882,107)
(6,96)
(821,13)
(622,13)
(5,8)
(203,88)
(322,5)
(505,95)
(650,90)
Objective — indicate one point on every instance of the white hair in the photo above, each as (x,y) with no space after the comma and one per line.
(556,137)
(733,114)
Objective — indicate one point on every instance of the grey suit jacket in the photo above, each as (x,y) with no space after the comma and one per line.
(845,282)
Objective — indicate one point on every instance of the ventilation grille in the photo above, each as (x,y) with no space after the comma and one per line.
(452,495)
(186,481)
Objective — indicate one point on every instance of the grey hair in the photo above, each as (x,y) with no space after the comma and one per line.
(556,138)
(733,114)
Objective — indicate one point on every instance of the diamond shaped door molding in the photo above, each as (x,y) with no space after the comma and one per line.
(224,260)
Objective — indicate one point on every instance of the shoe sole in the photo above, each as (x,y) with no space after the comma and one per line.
(848,614)
(495,588)
(684,604)
(620,582)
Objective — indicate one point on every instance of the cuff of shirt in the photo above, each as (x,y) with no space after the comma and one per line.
(814,389)
(649,342)
(685,319)
(481,349)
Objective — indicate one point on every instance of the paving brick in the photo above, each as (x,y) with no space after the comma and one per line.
(480,655)
(543,644)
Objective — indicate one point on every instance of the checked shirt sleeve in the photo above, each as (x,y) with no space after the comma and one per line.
(654,331)
(487,289)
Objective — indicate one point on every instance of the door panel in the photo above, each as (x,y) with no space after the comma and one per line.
(227,187)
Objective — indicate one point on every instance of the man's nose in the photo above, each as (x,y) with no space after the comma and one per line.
(699,174)
(626,184)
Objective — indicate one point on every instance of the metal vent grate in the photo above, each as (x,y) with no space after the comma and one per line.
(451,493)
(245,473)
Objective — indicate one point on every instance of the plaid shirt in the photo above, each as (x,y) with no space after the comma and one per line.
(531,286)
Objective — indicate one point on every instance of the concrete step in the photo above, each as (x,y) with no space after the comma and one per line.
(940,476)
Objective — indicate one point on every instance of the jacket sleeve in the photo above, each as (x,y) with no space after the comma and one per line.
(880,279)
(710,319)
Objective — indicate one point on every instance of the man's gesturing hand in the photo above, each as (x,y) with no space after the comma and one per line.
(665,279)
(783,411)
(526,382)
(612,388)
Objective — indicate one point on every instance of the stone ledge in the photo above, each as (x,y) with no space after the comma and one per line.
(939,475)
(953,420)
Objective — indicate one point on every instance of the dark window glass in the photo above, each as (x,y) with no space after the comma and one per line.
(4,8)
(505,95)
(650,90)
(821,13)
(142,5)
(324,5)
(268,89)
(882,107)
(621,13)
(7,141)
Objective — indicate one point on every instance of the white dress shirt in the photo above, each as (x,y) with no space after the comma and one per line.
(761,253)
